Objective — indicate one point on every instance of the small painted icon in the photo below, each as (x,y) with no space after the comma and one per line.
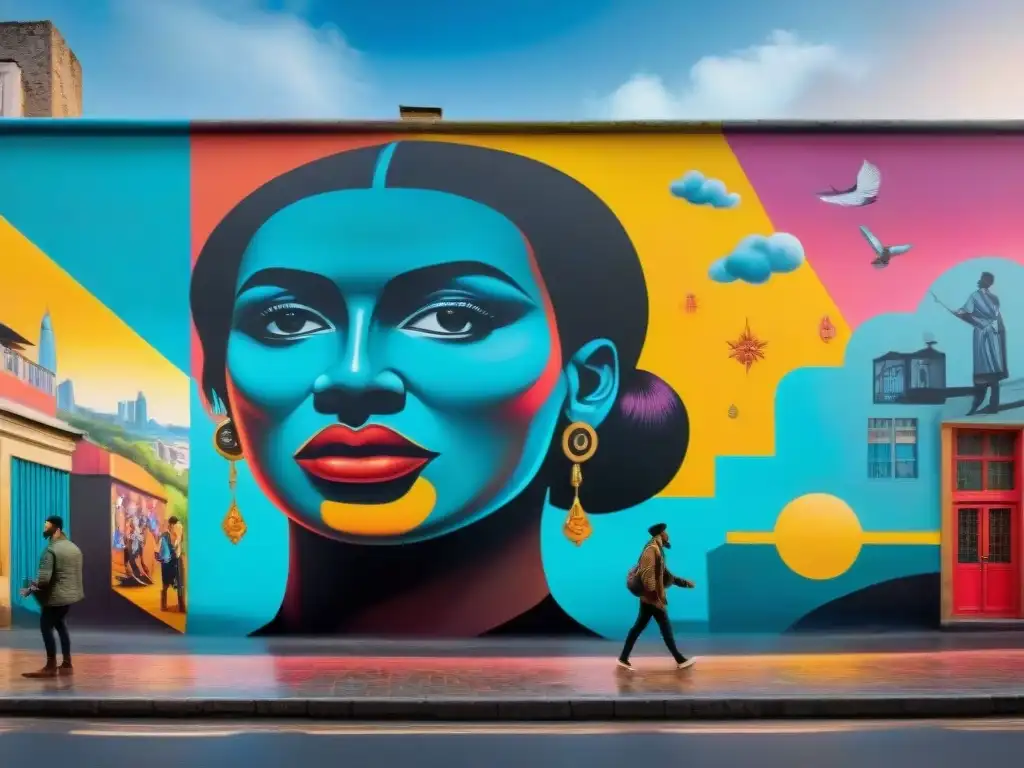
(826,330)
(863,192)
(691,303)
(734,412)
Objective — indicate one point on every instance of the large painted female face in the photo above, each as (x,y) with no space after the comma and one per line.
(393,367)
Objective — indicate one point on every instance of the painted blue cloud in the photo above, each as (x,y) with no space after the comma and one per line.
(757,257)
(821,432)
(694,187)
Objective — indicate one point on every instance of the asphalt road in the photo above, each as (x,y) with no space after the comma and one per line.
(951,744)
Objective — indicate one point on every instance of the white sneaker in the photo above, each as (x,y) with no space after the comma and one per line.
(625,665)
(686,663)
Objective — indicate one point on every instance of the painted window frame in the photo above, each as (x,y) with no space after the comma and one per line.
(985,457)
(894,426)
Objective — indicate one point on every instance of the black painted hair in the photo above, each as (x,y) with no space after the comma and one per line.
(56,521)
(590,269)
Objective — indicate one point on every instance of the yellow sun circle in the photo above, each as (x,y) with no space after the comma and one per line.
(818,536)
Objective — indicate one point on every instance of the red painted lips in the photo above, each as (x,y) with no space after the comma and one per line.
(372,454)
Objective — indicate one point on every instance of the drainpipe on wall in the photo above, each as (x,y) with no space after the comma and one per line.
(40,76)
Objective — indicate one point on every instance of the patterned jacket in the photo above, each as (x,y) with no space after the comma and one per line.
(655,576)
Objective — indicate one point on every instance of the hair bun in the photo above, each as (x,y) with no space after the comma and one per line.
(642,446)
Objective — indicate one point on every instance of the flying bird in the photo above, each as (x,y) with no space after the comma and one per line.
(883,253)
(864,192)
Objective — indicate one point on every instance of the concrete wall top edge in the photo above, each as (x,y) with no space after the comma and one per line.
(151,127)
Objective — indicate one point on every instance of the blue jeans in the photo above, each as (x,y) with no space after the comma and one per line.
(53,618)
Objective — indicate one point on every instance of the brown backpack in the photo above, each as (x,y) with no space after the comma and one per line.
(634,583)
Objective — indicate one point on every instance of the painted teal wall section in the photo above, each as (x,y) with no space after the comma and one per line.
(37,492)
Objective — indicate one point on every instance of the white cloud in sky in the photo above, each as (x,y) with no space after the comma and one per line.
(947,66)
(764,81)
(224,59)
(961,65)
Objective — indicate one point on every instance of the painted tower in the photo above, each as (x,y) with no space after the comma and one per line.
(47,344)
(141,411)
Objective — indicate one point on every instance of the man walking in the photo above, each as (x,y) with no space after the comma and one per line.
(57,587)
(648,581)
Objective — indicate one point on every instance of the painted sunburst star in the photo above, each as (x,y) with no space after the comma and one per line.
(747,349)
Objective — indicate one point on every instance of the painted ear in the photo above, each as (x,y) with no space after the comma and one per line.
(593,378)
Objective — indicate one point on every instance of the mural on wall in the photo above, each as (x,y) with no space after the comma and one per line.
(70,289)
(147,553)
(424,382)
(392,334)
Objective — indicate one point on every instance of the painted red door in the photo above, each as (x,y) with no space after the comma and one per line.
(967,590)
(1000,569)
(986,581)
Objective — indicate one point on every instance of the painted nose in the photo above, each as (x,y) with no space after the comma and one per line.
(357,387)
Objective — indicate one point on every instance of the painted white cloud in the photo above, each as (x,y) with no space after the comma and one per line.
(222,59)
(763,81)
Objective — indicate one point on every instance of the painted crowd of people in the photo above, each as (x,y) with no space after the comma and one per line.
(134,523)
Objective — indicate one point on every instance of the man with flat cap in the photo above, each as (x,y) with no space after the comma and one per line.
(648,580)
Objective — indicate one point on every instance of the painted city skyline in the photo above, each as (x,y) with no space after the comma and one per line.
(132,411)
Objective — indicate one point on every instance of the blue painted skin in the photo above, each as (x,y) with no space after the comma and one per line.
(468,376)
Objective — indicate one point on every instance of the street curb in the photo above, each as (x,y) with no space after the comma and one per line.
(521,710)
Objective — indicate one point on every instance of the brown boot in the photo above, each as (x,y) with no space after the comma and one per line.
(50,670)
(65,669)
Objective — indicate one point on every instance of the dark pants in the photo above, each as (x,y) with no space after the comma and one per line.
(648,612)
(171,576)
(53,618)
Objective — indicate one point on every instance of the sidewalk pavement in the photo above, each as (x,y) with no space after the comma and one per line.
(848,676)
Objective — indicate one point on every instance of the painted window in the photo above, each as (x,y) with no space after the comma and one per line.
(986,461)
(892,448)
(10,89)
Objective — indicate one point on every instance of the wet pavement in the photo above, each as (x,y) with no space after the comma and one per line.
(181,667)
(697,642)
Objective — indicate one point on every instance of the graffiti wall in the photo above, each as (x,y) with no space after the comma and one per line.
(441,385)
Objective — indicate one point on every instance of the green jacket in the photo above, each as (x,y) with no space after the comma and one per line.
(60,574)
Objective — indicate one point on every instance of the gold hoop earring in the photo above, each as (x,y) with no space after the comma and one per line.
(579,444)
(226,443)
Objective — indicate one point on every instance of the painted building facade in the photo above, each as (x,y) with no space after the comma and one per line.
(357,350)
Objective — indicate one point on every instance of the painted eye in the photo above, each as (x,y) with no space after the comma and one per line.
(455,321)
(293,321)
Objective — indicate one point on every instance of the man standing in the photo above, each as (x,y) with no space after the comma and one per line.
(57,587)
(170,564)
(650,579)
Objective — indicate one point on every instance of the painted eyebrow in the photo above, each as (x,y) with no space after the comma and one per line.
(422,280)
(430,278)
(296,280)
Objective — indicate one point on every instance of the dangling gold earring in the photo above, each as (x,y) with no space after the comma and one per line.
(226,443)
(579,443)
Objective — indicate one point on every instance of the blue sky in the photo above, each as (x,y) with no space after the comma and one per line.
(542,59)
